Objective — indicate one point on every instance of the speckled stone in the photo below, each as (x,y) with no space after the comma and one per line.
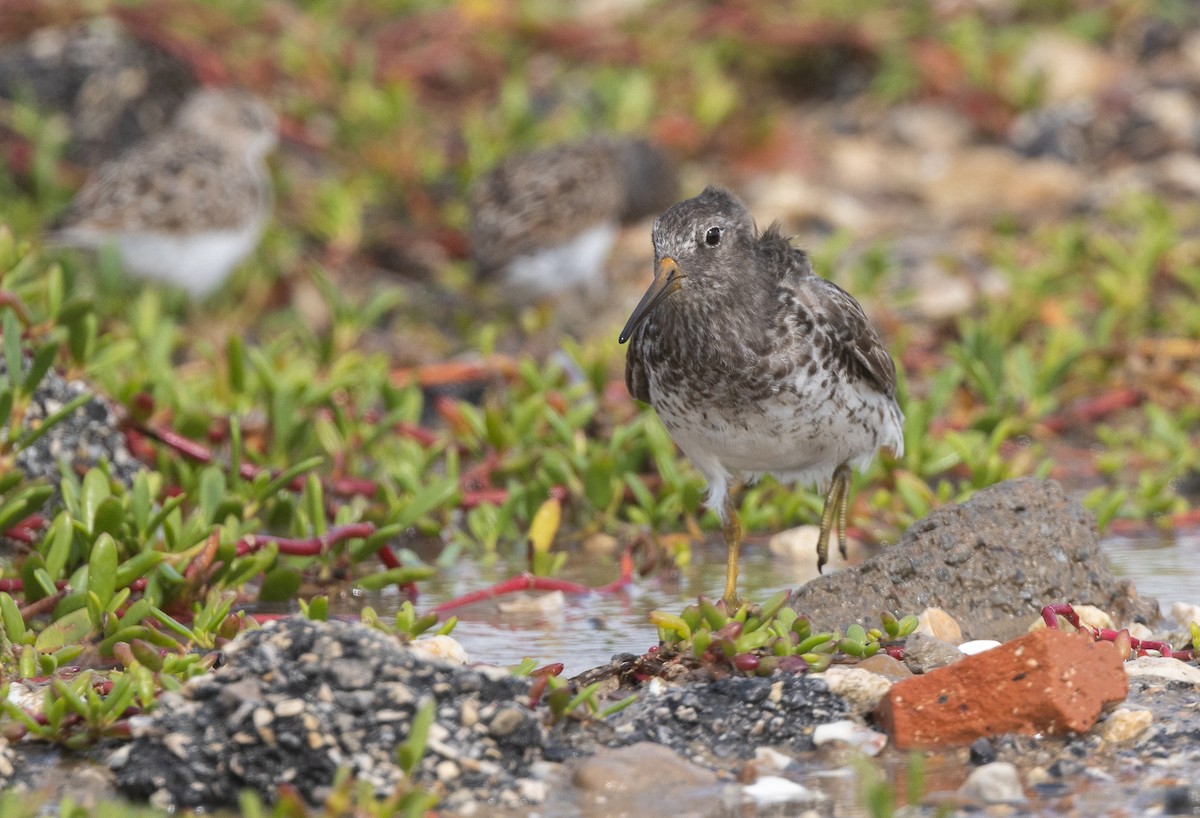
(87,437)
(731,717)
(298,699)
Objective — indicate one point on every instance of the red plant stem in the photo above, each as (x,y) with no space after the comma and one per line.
(10,299)
(26,530)
(528,582)
(15,585)
(309,547)
(342,487)
(44,604)
(479,497)
(1067,612)
(1094,409)
(353,487)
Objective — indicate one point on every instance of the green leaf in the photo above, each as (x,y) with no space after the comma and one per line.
(58,545)
(42,360)
(280,585)
(11,328)
(396,576)
(14,624)
(235,356)
(138,566)
(316,609)
(110,515)
(66,630)
(409,754)
(102,569)
(95,490)
(6,402)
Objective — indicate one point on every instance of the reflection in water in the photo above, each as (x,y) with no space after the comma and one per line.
(1164,565)
(586,631)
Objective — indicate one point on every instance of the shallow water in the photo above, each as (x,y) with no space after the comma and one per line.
(585,631)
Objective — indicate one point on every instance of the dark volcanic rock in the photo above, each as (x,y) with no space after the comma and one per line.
(83,439)
(992,563)
(729,718)
(299,699)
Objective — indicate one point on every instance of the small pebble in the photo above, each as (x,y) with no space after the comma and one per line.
(977,646)
(995,783)
(771,789)
(1124,724)
(852,734)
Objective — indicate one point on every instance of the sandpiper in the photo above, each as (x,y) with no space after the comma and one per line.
(544,221)
(186,205)
(757,366)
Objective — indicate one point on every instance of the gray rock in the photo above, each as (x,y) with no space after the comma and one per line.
(995,783)
(297,699)
(923,653)
(991,563)
(89,436)
(730,718)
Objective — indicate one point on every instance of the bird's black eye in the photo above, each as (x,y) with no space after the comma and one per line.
(713,237)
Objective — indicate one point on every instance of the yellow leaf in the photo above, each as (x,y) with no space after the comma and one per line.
(545,525)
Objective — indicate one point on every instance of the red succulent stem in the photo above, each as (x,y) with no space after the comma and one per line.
(1142,646)
(307,547)
(529,582)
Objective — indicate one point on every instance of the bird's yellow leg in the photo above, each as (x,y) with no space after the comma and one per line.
(843,472)
(733,541)
(835,506)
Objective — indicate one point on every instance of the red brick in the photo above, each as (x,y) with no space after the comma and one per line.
(1048,682)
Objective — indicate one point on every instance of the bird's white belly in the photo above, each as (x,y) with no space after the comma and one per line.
(197,262)
(578,263)
(797,436)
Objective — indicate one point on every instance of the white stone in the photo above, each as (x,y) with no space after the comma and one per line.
(1161,667)
(547,603)
(772,758)
(861,689)
(995,783)
(978,646)
(798,548)
(440,646)
(937,623)
(852,734)
(1185,614)
(1124,724)
(771,789)
(1139,631)
(1065,67)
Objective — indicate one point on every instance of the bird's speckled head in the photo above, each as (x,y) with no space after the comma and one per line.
(702,232)
(237,119)
(700,246)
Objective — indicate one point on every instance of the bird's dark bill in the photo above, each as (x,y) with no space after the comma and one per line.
(667,279)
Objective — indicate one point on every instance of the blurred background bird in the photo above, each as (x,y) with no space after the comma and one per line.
(543,222)
(189,203)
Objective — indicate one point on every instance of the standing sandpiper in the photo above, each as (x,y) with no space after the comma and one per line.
(186,205)
(756,365)
(544,221)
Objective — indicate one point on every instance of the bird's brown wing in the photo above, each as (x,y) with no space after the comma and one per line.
(174,182)
(636,380)
(849,334)
(542,199)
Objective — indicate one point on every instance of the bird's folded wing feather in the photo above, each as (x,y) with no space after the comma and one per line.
(851,334)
